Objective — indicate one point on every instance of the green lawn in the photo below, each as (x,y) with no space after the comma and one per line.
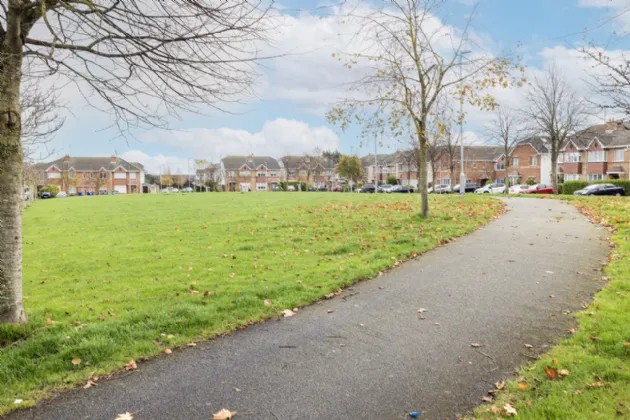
(597,355)
(114,278)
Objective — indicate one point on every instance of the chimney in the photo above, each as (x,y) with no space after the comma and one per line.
(113,159)
(66,158)
(612,125)
(250,159)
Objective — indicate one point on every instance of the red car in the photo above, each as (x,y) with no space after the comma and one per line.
(540,189)
(337,188)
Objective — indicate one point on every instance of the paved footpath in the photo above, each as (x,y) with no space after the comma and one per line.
(373,358)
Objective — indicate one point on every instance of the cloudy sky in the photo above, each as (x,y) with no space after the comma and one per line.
(294,92)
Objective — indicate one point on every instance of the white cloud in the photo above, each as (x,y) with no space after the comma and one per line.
(276,138)
(159,163)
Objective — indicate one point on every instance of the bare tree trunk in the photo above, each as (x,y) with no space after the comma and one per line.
(11,309)
(422,181)
(452,175)
(554,171)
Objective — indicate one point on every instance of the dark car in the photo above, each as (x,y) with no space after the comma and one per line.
(601,189)
(368,188)
(322,189)
(401,189)
(311,189)
(470,187)
(114,192)
(102,192)
(46,194)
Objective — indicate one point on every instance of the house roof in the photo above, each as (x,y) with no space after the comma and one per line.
(612,134)
(299,162)
(537,143)
(90,164)
(254,162)
(483,153)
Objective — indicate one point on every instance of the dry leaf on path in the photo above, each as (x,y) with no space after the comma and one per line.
(224,415)
(90,383)
(487,399)
(168,351)
(422,310)
(131,365)
(125,416)
(330,311)
(76,361)
(288,312)
(500,385)
(528,346)
(523,387)
(475,345)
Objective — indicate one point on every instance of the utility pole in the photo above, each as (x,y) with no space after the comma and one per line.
(375,166)
(462,175)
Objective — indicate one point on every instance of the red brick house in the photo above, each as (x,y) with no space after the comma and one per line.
(84,175)
(597,153)
(530,160)
(250,173)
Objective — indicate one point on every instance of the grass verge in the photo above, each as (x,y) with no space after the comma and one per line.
(117,278)
(586,376)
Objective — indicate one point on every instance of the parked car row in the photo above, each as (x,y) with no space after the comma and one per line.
(386,189)
(175,190)
(63,194)
(601,189)
(446,189)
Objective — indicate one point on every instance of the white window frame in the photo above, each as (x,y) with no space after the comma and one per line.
(597,156)
(500,166)
(595,177)
(619,155)
(132,175)
(120,175)
(261,186)
(515,162)
(573,157)
(446,181)
(53,175)
(245,174)
(571,177)
(533,161)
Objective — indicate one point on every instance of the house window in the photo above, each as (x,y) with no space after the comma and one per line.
(573,157)
(232,173)
(132,175)
(474,165)
(446,181)
(261,174)
(571,177)
(54,175)
(500,181)
(619,155)
(595,177)
(533,161)
(244,174)
(120,175)
(596,156)
(103,175)
(515,162)
(261,186)
(500,166)
(272,174)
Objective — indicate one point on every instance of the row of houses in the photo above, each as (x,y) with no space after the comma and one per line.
(597,153)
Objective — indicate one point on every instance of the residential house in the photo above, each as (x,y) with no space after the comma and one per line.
(83,175)
(480,165)
(530,160)
(400,164)
(210,173)
(250,173)
(315,170)
(596,153)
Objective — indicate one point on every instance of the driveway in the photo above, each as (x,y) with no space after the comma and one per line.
(513,282)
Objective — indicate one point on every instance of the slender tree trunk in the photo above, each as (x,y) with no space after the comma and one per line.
(452,174)
(11,309)
(554,171)
(422,181)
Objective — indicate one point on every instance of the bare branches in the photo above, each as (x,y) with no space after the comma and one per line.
(610,78)
(146,60)
(504,132)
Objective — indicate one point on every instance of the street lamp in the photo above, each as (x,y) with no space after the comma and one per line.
(462,175)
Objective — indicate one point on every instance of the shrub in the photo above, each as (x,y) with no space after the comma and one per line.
(530,181)
(53,189)
(623,183)
(569,187)
(391,180)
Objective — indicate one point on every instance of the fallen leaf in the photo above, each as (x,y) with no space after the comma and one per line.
(76,361)
(594,338)
(131,365)
(288,312)
(571,330)
(552,372)
(626,344)
(549,272)
(267,302)
(237,390)
(528,346)
(90,383)
(49,321)
(189,268)
(500,385)
(523,387)
(487,399)
(224,415)
(579,392)
(510,410)
(168,351)
(494,410)
(563,372)
(475,345)
(126,416)
(330,311)
(598,384)
(422,310)
(191,344)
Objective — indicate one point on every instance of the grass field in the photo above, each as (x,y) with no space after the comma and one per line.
(597,356)
(115,278)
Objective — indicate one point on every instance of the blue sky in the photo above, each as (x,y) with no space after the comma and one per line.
(294,92)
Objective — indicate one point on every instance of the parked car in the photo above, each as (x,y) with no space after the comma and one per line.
(440,189)
(187,190)
(491,189)
(322,189)
(401,189)
(101,192)
(368,188)
(386,188)
(114,192)
(62,194)
(470,187)
(337,188)
(311,189)
(519,189)
(175,190)
(540,189)
(290,188)
(45,195)
(601,189)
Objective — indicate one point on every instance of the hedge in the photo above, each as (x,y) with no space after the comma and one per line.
(569,187)
(52,189)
